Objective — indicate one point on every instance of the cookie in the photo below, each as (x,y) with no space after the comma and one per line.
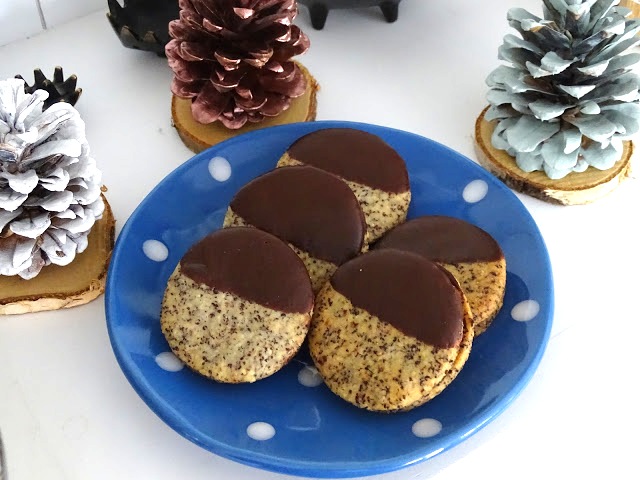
(472,256)
(390,330)
(238,305)
(310,209)
(375,172)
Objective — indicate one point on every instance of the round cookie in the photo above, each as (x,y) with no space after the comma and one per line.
(390,330)
(238,305)
(312,210)
(469,253)
(374,171)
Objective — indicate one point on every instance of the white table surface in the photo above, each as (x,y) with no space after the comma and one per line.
(66,409)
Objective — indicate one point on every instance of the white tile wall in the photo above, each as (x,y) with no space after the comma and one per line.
(60,11)
(21,19)
(18,19)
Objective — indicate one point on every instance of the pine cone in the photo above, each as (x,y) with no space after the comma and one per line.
(59,89)
(49,185)
(233,58)
(567,98)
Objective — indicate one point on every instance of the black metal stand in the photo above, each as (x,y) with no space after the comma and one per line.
(319,9)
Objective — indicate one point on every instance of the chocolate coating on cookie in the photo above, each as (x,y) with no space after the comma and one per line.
(253,265)
(407,291)
(354,155)
(442,239)
(311,209)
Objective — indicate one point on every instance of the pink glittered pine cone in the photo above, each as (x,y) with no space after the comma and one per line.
(233,58)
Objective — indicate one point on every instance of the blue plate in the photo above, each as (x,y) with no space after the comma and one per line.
(278,423)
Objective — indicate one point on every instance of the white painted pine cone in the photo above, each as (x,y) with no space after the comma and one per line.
(49,184)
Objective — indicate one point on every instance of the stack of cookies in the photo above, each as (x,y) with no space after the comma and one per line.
(320,248)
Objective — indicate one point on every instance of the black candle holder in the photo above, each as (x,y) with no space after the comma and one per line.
(143,24)
(319,9)
(58,88)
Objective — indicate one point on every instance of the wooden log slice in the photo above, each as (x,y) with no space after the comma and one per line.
(56,287)
(573,189)
(198,137)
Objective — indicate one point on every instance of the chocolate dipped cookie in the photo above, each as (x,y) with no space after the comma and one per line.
(312,210)
(238,305)
(375,172)
(469,253)
(390,330)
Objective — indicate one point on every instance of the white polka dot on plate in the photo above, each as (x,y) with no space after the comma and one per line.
(475,191)
(426,427)
(220,169)
(309,377)
(155,250)
(261,431)
(525,310)
(169,362)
